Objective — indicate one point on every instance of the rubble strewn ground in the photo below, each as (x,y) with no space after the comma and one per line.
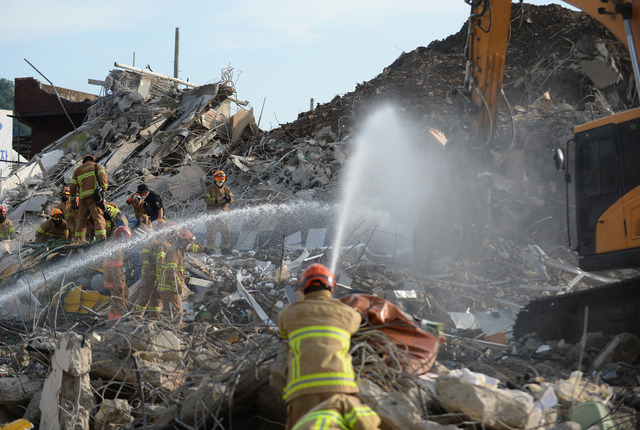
(220,369)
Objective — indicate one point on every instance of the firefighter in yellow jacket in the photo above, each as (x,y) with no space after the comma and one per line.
(318,330)
(147,297)
(218,197)
(135,201)
(171,275)
(86,179)
(53,229)
(114,277)
(339,412)
(69,211)
(7,231)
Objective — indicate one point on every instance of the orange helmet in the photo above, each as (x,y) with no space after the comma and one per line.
(122,232)
(317,275)
(3,210)
(219,176)
(185,234)
(56,214)
(64,191)
(133,198)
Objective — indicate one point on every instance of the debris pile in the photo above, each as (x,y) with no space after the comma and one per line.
(63,367)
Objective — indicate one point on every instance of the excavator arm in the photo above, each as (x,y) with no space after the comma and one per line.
(488,36)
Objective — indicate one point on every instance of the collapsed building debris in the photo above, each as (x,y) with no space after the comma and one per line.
(224,366)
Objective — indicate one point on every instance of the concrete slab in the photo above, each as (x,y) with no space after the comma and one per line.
(293,240)
(187,184)
(315,238)
(119,155)
(246,240)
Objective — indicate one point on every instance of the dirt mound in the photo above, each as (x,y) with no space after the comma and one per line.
(545,43)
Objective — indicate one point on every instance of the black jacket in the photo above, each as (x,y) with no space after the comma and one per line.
(152,205)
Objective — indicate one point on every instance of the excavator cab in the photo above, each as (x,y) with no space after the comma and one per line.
(606,181)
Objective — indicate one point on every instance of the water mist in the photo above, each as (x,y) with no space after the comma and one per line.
(386,180)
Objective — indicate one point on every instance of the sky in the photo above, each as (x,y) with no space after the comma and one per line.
(283,52)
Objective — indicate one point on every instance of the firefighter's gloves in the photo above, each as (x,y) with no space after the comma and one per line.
(227,198)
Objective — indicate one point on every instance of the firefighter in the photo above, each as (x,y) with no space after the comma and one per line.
(70,214)
(318,329)
(114,276)
(171,275)
(55,228)
(89,183)
(135,201)
(152,203)
(114,218)
(217,197)
(147,296)
(7,232)
(339,412)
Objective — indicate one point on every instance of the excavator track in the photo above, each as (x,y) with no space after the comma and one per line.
(611,309)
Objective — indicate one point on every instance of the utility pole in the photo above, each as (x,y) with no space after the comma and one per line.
(176,54)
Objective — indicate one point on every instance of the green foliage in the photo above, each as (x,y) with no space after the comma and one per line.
(6,103)
(6,94)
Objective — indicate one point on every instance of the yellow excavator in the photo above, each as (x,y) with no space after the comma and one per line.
(606,171)
(602,162)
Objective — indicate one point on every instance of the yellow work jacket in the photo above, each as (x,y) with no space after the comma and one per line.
(170,268)
(6,230)
(114,276)
(343,412)
(49,231)
(148,259)
(84,180)
(70,216)
(319,330)
(214,197)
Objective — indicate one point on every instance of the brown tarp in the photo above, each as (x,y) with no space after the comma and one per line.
(419,348)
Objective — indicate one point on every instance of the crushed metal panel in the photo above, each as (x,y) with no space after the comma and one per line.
(256,307)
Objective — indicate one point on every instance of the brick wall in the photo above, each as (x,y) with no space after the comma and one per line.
(37,105)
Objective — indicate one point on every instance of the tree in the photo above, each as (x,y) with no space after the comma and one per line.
(6,102)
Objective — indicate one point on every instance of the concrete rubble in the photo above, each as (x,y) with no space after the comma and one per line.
(224,367)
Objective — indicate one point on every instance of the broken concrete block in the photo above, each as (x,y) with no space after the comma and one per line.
(107,364)
(624,347)
(187,184)
(68,384)
(106,130)
(113,414)
(496,408)
(396,410)
(18,390)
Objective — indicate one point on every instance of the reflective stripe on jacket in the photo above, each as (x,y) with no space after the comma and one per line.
(341,411)
(6,230)
(170,269)
(84,180)
(214,197)
(70,216)
(48,230)
(319,330)
(113,266)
